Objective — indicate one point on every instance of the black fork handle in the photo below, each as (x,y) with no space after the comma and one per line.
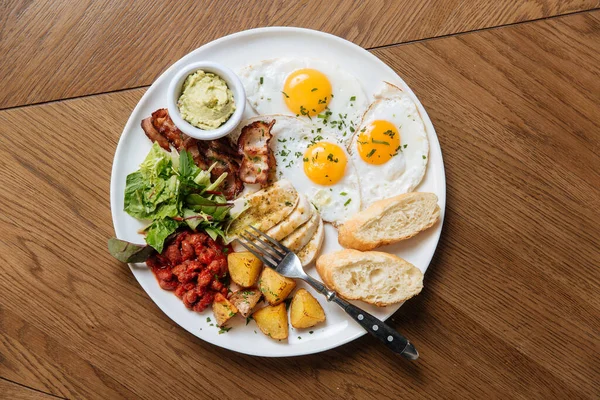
(377,328)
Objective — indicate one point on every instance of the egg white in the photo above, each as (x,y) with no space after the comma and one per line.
(349,100)
(291,138)
(403,172)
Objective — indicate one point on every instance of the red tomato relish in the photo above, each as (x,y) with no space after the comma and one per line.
(194,266)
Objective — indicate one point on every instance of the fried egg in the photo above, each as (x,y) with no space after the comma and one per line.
(316,165)
(313,90)
(390,147)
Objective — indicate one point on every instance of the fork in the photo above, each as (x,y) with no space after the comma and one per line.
(283,260)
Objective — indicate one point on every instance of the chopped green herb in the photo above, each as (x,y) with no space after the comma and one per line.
(389,133)
(281,140)
(352,129)
(207,319)
(311,332)
(288,203)
(330,158)
(299,337)
(380,142)
(314,89)
(371,153)
(344,193)
(261,80)
(286,95)
(353,98)
(405,145)
(347,202)
(424,156)
(224,330)
(248,319)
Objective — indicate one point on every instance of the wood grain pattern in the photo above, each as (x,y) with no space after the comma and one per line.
(510,306)
(12,391)
(57,49)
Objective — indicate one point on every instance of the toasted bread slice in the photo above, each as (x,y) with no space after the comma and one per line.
(265,208)
(308,253)
(302,235)
(373,277)
(389,221)
(302,213)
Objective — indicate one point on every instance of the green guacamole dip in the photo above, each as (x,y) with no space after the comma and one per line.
(205,102)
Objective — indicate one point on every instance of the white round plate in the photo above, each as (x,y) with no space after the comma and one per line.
(236,51)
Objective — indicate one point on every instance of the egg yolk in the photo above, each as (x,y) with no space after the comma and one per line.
(307,91)
(378,142)
(325,163)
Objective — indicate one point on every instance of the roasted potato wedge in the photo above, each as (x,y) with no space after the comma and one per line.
(305,310)
(272,321)
(223,309)
(274,286)
(245,300)
(244,268)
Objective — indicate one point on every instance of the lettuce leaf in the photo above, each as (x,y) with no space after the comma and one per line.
(158,231)
(171,191)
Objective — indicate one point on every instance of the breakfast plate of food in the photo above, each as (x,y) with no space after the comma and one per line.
(304,136)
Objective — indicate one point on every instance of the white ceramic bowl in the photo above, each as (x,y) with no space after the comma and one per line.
(234,84)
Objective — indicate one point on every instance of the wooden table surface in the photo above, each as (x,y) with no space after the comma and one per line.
(511,305)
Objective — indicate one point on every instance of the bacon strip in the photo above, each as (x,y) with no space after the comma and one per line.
(221,153)
(154,135)
(253,145)
(161,129)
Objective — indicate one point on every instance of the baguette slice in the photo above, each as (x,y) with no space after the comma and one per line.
(390,221)
(373,277)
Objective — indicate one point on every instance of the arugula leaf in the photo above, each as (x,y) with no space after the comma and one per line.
(188,171)
(128,252)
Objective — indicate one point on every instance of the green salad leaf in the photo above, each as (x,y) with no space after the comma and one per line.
(128,252)
(171,192)
(158,231)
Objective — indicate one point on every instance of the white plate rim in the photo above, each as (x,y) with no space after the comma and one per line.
(433,141)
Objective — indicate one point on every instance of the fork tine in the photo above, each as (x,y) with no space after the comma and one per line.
(270,239)
(277,251)
(274,260)
(249,247)
(265,249)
